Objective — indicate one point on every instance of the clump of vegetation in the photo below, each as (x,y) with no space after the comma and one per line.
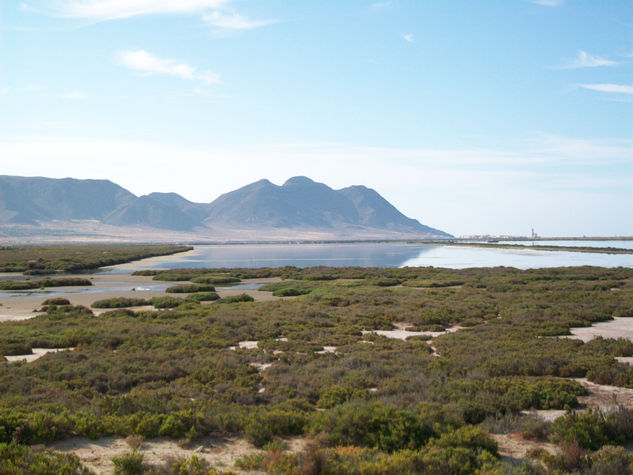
(71,258)
(17,458)
(190,288)
(203,296)
(166,302)
(214,279)
(120,302)
(44,283)
(56,301)
(237,298)
(129,463)
(290,292)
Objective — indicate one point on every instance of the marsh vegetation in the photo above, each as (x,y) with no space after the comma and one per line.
(374,405)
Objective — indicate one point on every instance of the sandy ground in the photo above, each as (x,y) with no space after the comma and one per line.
(97,454)
(515,447)
(401,333)
(547,415)
(616,328)
(37,354)
(606,398)
(105,286)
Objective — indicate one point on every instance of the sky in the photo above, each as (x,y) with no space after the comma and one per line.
(474,117)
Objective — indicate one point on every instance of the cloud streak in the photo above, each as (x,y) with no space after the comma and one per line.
(234,21)
(214,12)
(585,60)
(148,64)
(408,37)
(548,3)
(612,88)
(101,10)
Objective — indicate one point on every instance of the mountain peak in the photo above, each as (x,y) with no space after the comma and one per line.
(300,206)
(299,181)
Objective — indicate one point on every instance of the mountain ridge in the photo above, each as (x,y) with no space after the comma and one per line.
(299,206)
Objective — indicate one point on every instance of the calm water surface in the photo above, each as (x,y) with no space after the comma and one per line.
(616,244)
(374,255)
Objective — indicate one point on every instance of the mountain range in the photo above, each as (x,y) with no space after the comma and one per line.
(299,208)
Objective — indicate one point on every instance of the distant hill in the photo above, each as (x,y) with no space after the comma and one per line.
(299,207)
(28,200)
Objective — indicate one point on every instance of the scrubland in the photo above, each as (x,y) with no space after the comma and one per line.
(208,369)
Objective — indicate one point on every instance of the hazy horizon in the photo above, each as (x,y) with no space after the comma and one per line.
(491,117)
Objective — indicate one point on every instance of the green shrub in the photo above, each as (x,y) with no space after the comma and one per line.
(129,463)
(120,302)
(290,292)
(166,302)
(56,301)
(189,288)
(237,298)
(21,459)
(214,279)
(371,425)
(262,426)
(203,296)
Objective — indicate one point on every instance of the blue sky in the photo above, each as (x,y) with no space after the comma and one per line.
(473,117)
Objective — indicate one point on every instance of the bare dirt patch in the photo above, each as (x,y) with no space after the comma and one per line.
(619,327)
(37,354)
(605,398)
(97,454)
(513,446)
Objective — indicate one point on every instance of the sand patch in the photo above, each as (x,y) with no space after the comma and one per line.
(619,327)
(546,415)
(247,345)
(327,349)
(37,354)
(604,397)
(261,366)
(97,454)
(402,334)
(513,446)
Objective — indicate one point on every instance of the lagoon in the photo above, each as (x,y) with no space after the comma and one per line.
(374,255)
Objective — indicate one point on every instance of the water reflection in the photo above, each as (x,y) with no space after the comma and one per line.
(372,255)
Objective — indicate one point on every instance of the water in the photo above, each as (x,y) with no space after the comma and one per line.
(617,244)
(373,255)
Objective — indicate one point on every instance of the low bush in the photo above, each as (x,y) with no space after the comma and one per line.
(166,302)
(290,292)
(120,302)
(56,301)
(203,296)
(129,463)
(214,279)
(21,459)
(261,426)
(237,298)
(189,288)
(371,425)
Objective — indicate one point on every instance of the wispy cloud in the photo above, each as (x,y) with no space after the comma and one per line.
(548,3)
(214,12)
(101,10)
(234,21)
(377,6)
(408,37)
(585,60)
(613,88)
(73,95)
(146,63)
